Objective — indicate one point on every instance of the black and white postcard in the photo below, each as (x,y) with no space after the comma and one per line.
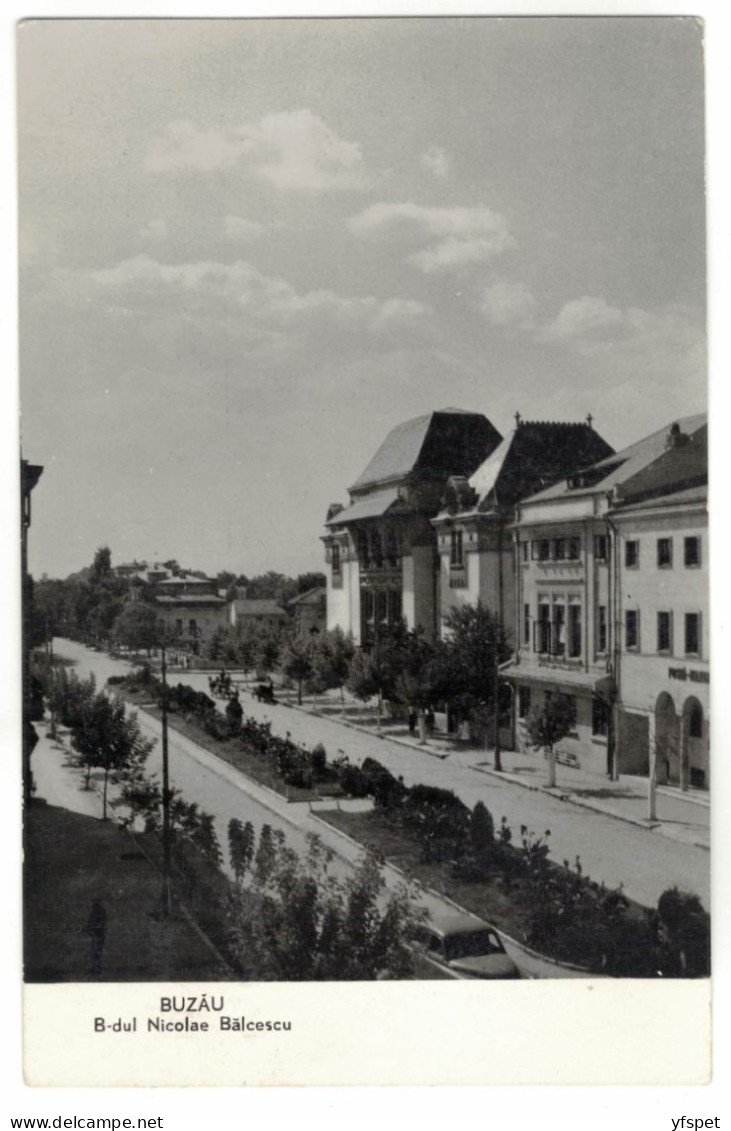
(365,551)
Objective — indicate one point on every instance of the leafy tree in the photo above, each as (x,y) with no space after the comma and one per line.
(296,662)
(241,841)
(137,626)
(474,645)
(482,833)
(107,737)
(687,928)
(332,656)
(101,567)
(267,651)
(307,581)
(300,923)
(550,723)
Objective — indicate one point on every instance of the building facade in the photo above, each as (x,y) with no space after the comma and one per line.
(381,550)
(608,612)
(474,528)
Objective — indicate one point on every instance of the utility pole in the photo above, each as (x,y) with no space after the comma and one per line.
(166,893)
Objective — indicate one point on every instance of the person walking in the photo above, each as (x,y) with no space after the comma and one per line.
(96,929)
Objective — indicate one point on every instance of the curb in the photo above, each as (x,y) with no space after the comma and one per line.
(648,826)
(463,910)
(425,749)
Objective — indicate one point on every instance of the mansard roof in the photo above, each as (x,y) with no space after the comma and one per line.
(674,456)
(449,441)
(532,455)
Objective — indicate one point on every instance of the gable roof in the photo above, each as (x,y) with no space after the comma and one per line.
(258,607)
(447,442)
(310,597)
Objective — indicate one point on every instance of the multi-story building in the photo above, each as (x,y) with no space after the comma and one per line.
(663,669)
(474,528)
(381,549)
(606,613)
(187,603)
(309,611)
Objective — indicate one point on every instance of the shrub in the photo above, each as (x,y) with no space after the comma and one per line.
(686,930)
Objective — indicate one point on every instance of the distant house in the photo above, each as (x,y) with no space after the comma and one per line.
(309,610)
(257,611)
(187,603)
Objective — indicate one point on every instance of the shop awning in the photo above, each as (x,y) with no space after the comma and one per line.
(561,678)
(372,506)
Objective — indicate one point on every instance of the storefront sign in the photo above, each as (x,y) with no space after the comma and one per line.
(693,675)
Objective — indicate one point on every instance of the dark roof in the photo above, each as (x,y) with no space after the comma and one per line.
(447,442)
(310,597)
(192,599)
(258,607)
(532,456)
(652,464)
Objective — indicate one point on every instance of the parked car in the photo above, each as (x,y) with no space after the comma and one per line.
(463,946)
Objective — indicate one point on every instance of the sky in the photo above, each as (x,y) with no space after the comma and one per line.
(250,248)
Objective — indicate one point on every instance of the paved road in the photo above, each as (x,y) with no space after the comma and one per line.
(225,793)
(610,850)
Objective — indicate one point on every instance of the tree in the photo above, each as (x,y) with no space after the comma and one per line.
(475,644)
(137,626)
(331,657)
(547,726)
(307,581)
(101,567)
(482,833)
(300,923)
(296,662)
(241,840)
(107,737)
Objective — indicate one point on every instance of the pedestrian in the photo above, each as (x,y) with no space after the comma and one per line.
(96,929)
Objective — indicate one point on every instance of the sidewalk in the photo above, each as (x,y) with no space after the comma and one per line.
(683,817)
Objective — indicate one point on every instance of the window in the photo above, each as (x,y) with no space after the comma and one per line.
(336,558)
(534,550)
(544,550)
(363,555)
(664,553)
(631,554)
(526,624)
(192,627)
(663,632)
(559,549)
(542,628)
(523,702)
(599,717)
(692,552)
(600,547)
(574,549)
(692,634)
(631,628)
(559,630)
(525,551)
(695,723)
(456,558)
(179,625)
(574,630)
(601,628)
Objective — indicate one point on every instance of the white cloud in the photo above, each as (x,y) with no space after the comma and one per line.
(435,221)
(208,289)
(665,345)
(436,160)
(457,253)
(185,146)
(469,235)
(293,150)
(508,304)
(586,319)
(241,230)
